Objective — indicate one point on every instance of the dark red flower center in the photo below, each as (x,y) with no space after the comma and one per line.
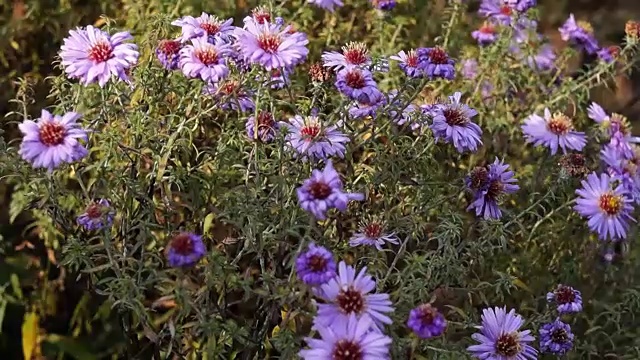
(309,132)
(610,203)
(269,42)
(478,177)
(614,51)
(506,10)
(496,188)
(438,56)
(347,350)
(412,59)
(508,345)
(427,314)
(94,211)
(559,336)
(276,73)
(52,133)
(564,295)
(100,52)
(350,301)
(317,263)
(559,124)
(355,79)
(169,47)
(320,190)
(373,230)
(454,116)
(487,28)
(265,119)
(210,28)
(207,55)
(230,87)
(261,15)
(182,244)
(356,53)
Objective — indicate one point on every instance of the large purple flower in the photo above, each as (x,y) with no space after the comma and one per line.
(316,266)
(556,338)
(452,122)
(353,54)
(426,321)
(581,33)
(437,63)
(271,46)
(489,185)
(231,95)
(204,25)
(53,140)
(185,250)
(205,60)
(608,208)
(98,215)
(310,138)
(323,191)
(567,299)
(350,293)
(92,55)
(348,338)
(553,131)
(358,84)
(329,5)
(500,337)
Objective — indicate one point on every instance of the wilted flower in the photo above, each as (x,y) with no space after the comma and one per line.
(556,338)
(231,94)
(316,265)
(486,34)
(310,138)
(271,46)
(329,5)
(260,14)
(372,233)
(204,25)
(632,30)
(353,54)
(409,62)
(319,74)
(267,127)
(426,321)
(566,298)
(575,165)
(358,84)
(489,187)
(553,131)
(452,122)
(581,33)
(500,337)
(168,53)
(205,60)
(437,63)
(185,249)
(98,215)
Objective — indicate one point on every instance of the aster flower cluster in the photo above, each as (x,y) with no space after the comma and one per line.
(556,336)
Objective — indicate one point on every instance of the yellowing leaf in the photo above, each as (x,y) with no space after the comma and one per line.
(275,331)
(29,335)
(208,220)
(14,45)
(99,22)
(519,283)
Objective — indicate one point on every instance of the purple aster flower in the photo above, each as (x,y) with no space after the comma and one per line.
(581,33)
(500,337)
(452,122)
(469,69)
(316,266)
(436,63)
(385,5)
(597,113)
(556,338)
(409,62)
(271,46)
(267,127)
(358,84)
(349,338)
(497,11)
(609,54)
(350,294)
(362,110)
(373,233)
(607,208)
(185,250)
(98,215)
(205,60)
(426,322)
(260,15)
(486,34)
(204,25)
(53,140)
(231,95)
(410,115)
(323,191)
(328,5)
(168,53)
(310,138)
(353,54)
(278,78)
(489,185)
(624,169)
(567,299)
(521,5)
(553,131)
(544,59)
(91,55)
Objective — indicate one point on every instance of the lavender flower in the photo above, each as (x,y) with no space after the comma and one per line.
(260,15)
(323,191)
(271,46)
(521,5)
(353,54)
(437,63)
(98,215)
(426,322)
(500,337)
(231,95)
(581,33)
(567,299)
(452,122)
(609,54)
(543,60)
(168,53)
(486,34)
(205,60)
(607,208)
(362,110)
(328,5)
(372,234)
(204,25)
(91,55)
(489,185)
(349,294)
(358,84)
(553,131)
(53,140)
(312,139)
(185,250)
(385,5)
(624,169)
(316,266)
(266,125)
(496,10)
(409,62)
(349,338)
(556,338)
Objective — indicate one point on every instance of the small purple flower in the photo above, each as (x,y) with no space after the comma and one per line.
(205,60)
(316,266)
(597,113)
(581,33)
(311,139)
(260,15)
(328,5)
(347,339)
(426,321)
(567,299)
(385,5)
(278,78)
(497,11)
(373,233)
(323,191)
(358,84)
(353,54)
(271,46)
(469,69)
(489,185)
(609,54)
(98,215)
(231,95)
(185,250)
(607,208)
(500,337)
(350,294)
(91,55)
(362,110)
(409,62)
(553,131)
(521,5)
(168,53)
(543,60)
(452,122)
(556,338)
(436,63)
(486,34)
(204,25)
(53,140)
(267,127)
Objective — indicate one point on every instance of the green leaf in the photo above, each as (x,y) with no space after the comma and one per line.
(208,220)
(70,346)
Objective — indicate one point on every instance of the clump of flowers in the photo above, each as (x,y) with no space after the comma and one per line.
(488,186)
(310,138)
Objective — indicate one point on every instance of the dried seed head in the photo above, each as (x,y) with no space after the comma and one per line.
(632,29)
(319,74)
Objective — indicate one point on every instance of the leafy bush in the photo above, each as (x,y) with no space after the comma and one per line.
(204,186)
